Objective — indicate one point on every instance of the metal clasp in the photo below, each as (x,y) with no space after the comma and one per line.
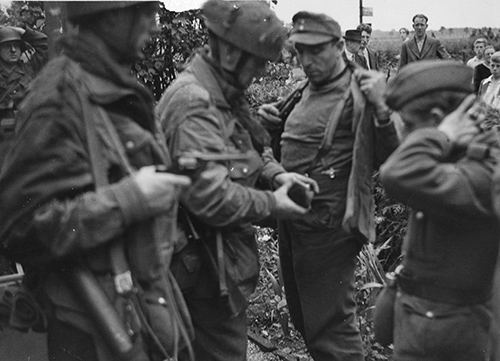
(330,172)
(124,283)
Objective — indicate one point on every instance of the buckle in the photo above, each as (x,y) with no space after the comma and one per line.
(123,283)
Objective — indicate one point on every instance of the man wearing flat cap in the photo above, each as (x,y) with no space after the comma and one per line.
(352,40)
(443,170)
(337,133)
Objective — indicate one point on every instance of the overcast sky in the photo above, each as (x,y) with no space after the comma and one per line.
(388,14)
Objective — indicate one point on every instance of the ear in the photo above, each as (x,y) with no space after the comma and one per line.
(340,44)
(436,116)
(229,56)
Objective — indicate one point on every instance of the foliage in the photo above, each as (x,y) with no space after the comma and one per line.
(170,48)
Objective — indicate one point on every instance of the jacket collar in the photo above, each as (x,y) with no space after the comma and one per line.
(206,71)
(414,47)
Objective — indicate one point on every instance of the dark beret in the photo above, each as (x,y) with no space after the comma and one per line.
(353,35)
(311,28)
(422,77)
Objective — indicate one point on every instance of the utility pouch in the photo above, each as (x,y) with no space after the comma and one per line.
(383,319)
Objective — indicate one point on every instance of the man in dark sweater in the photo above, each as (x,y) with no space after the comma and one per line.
(443,171)
(337,133)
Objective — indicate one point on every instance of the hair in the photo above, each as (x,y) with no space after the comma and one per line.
(407,32)
(422,16)
(447,100)
(480,41)
(495,57)
(365,27)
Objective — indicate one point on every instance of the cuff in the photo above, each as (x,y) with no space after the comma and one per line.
(131,201)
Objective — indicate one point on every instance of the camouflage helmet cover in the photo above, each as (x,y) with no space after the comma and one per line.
(7,33)
(249,25)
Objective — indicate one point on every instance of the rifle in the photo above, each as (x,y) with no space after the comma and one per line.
(285,108)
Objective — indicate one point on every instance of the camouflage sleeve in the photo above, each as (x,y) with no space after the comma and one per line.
(422,174)
(47,199)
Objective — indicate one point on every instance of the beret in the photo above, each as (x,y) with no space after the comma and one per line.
(311,28)
(419,78)
(353,35)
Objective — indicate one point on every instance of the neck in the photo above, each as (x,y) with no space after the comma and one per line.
(420,37)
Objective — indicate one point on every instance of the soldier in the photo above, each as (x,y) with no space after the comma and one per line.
(205,110)
(16,75)
(83,209)
(443,170)
(337,133)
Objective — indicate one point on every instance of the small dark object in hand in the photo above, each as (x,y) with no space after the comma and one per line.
(300,194)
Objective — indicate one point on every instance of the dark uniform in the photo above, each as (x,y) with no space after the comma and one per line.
(451,246)
(15,79)
(333,136)
(54,218)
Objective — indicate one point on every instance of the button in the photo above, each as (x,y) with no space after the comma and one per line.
(419,215)
(162,301)
(245,170)
(429,314)
(130,144)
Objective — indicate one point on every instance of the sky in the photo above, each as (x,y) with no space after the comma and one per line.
(387,14)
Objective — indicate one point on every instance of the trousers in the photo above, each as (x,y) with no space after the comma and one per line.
(434,331)
(318,275)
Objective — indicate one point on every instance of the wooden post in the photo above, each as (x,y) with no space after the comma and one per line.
(361,11)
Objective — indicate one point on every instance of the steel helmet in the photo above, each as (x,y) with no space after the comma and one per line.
(7,33)
(250,25)
(76,9)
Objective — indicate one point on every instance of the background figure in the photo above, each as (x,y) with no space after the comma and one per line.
(370,55)
(404,34)
(352,45)
(205,110)
(489,90)
(16,75)
(482,70)
(421,46)
(479,46)
(337,133)
(443,170)
(83,208)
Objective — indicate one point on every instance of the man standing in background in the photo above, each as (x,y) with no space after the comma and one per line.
(479,45)
(352,47)
(421,46)
(370,55)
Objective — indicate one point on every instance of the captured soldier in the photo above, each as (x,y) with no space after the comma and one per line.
(83,208)
(443,170)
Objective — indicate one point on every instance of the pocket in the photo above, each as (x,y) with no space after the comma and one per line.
(186,266)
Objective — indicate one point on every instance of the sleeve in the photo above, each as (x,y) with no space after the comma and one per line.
(403,60)
(476,79)
(48,197)
(214,197)
(386,141)
(39,53)
(420,174)
(441,51)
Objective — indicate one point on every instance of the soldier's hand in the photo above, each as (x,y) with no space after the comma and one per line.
(285,207)
(269,116)
(460,125)
(160,189)
(372,84)
(292,177)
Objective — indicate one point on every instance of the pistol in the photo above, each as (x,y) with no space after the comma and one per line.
(193,163)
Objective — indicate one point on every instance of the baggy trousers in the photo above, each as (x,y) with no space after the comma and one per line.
(318,275)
